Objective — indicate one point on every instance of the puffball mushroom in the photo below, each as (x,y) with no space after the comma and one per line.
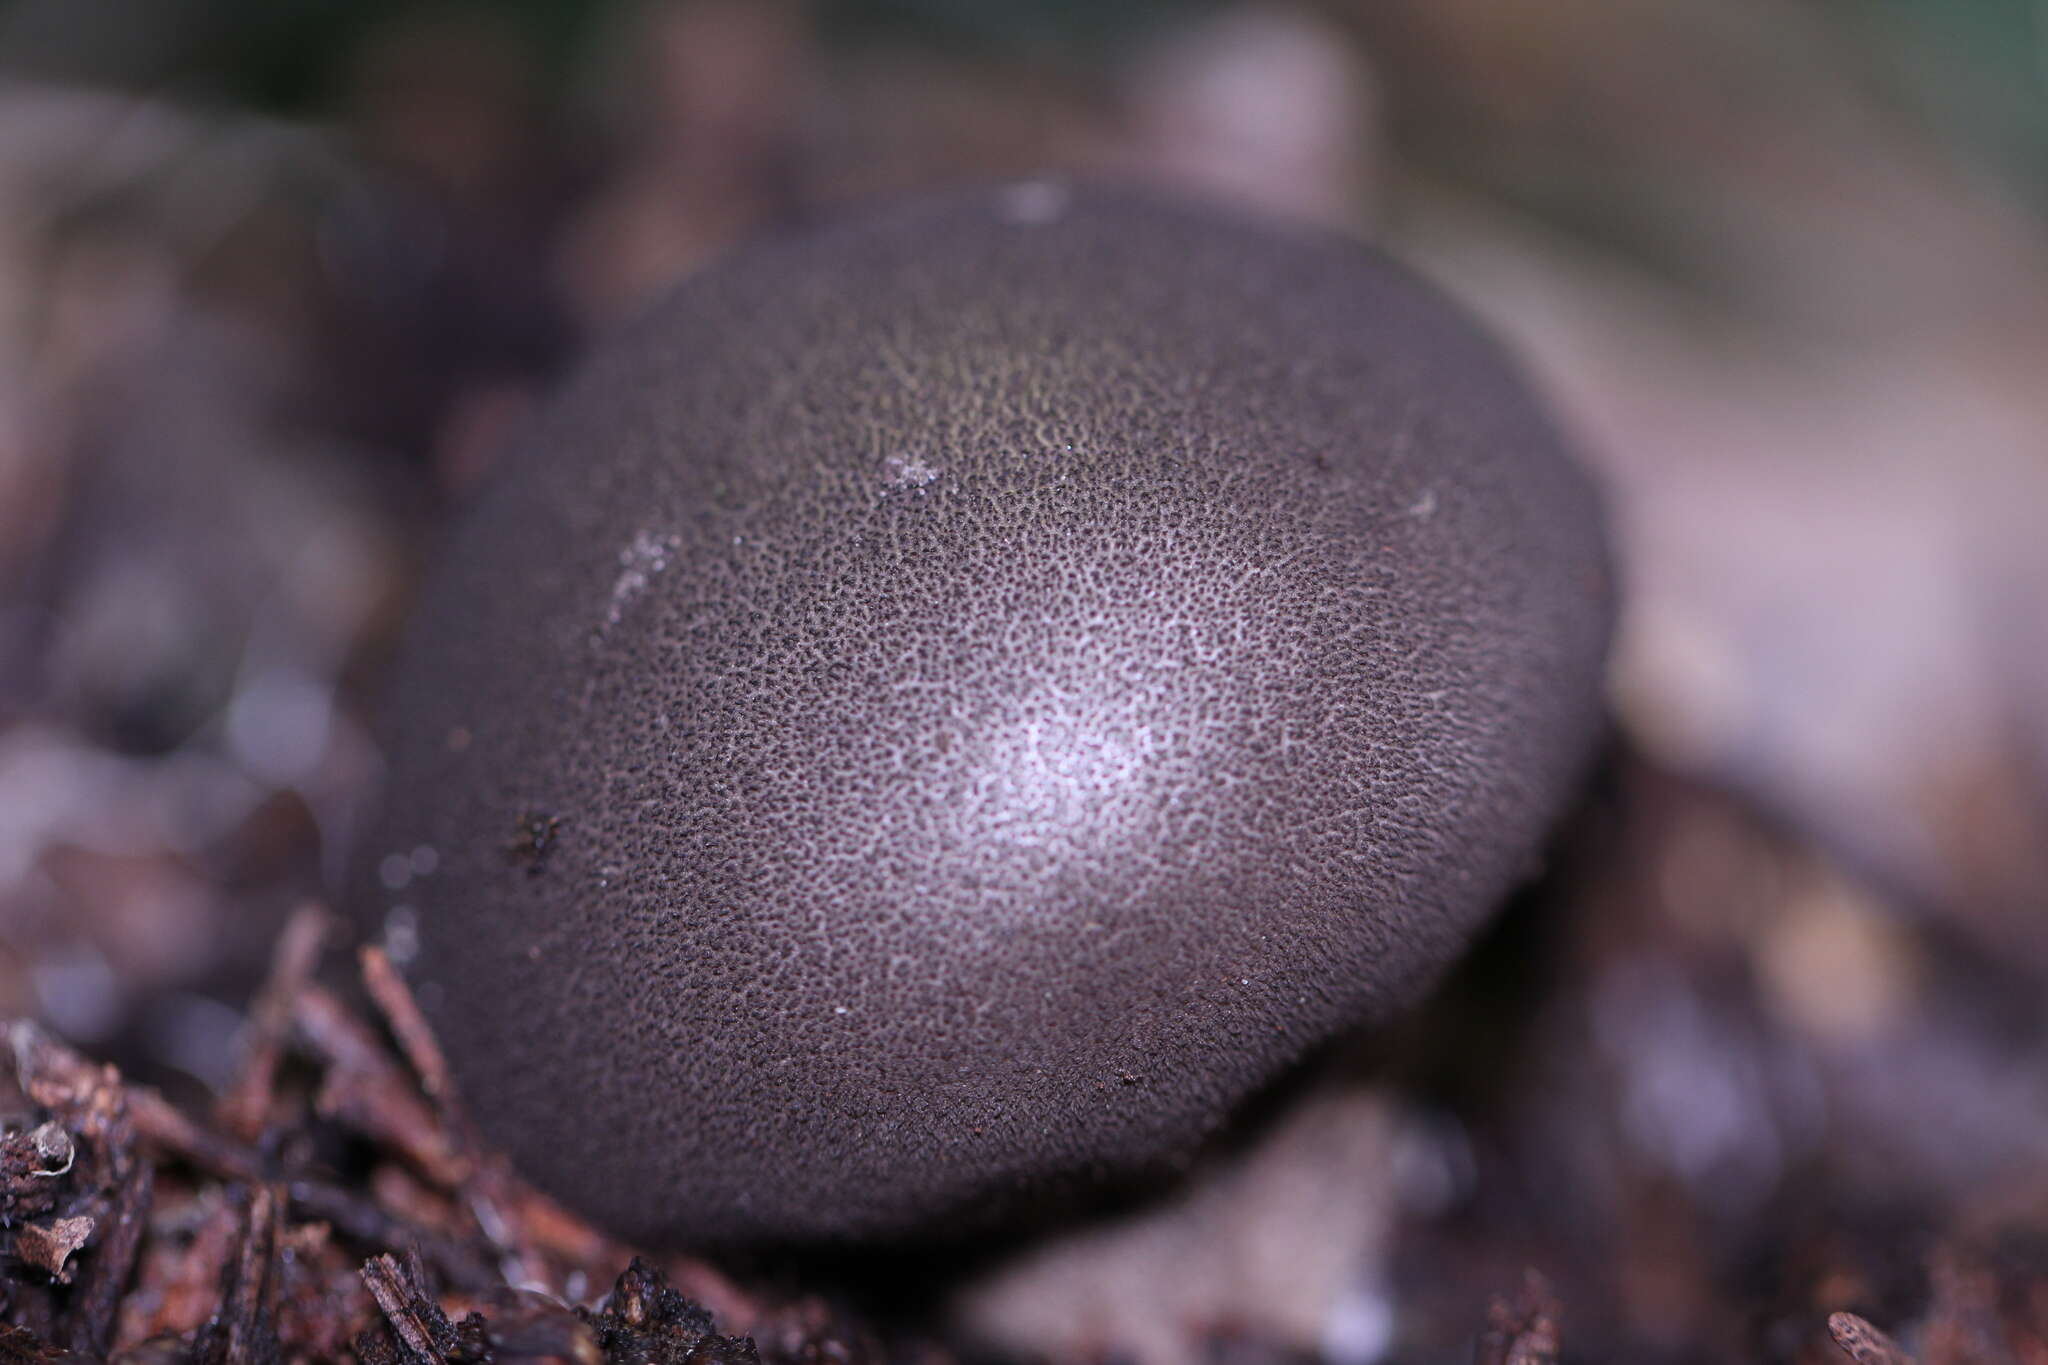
(959,697)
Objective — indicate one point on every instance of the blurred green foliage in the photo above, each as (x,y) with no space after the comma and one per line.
(277,56)
(1975,71)
(290,56)
(1978,69)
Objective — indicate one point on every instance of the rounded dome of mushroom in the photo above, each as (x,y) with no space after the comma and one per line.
(957,698)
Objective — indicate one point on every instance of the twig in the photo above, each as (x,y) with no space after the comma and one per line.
(365,1089)
(524,1224)
(415,1036)
(244,1109)
(244,1329)
(494,1198)
(421,1328)
(173,1134)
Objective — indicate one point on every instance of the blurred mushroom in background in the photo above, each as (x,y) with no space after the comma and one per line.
(1262,103)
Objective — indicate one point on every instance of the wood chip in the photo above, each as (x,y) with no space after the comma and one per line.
(1524,1332)
(1864,1343)
(48,1245)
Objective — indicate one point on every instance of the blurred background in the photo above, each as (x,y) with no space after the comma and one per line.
(280,278)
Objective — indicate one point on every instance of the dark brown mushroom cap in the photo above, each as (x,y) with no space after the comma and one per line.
(960,697)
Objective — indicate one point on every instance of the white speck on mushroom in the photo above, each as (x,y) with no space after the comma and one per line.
(639,562)
(908,471)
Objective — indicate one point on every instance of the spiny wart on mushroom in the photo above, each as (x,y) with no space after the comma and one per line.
(1094,655)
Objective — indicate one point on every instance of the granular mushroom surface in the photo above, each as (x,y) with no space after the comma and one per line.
(959,697)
